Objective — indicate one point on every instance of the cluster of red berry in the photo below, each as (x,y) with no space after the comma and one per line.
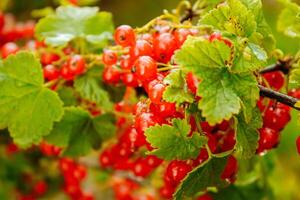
(275,115)
(140,67)
(74,174)
(11,30)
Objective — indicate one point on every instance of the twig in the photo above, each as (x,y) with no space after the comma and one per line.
(280,97)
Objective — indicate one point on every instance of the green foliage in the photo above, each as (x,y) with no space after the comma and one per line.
(90,87)
(177,90)
(233,17)
(172,142)
(27,108)
(289,20)
(78,132)
(247,134)
(223,92)
(69,23)
(248,192)
(208,174)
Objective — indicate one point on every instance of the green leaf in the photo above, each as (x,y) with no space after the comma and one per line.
(263,35)
(78,132)
(198,53)
(252,58)
(172,141)
(67,95)
(27,108)
(89,87)
(208,174)
(69,23)
(223,94)
(233,17)
(177,90)
(289,20)
(248,192)
(247,134)
(294,78)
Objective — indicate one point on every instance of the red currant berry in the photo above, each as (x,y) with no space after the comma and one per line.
(269,138)
(76,64)
(181,35)
(145,68)
(141,48)
(129,79)
(164,46)
(298,144)
(163,109)
(176,171)
(230,170)
(109,57)
(155,92)
(167,191)
(276,118)
(8,49)
(192,82)
(66,73)
(124,36)
(111,74)
(49,58)
(51,72)
(275,79)
(40,188)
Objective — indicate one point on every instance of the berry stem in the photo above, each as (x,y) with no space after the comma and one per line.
(166,67)
(280,97)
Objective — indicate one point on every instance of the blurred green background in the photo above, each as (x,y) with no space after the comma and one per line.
(285,178)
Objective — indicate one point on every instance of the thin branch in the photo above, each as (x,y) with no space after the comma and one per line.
(280,97)
(282,65)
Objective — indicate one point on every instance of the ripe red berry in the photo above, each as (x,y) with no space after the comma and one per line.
(124,36)
(167,191)
(66,73)
(51,72)
(143,121)
(230,169)
(76,64)
(106,159)
(181,35)
(155,92)
(126,62)
(145,68)
(192,82)
(109,57)
(298,144)
(129,79)
(141,48)
(49,58)
(140,168)
(164,46)
(111,74)
(203,156)
(164,109)
(40,188)
(269,138)
(176,171)
(276,118)
(275,79)
(8,49)
(205,197)
(2,21)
